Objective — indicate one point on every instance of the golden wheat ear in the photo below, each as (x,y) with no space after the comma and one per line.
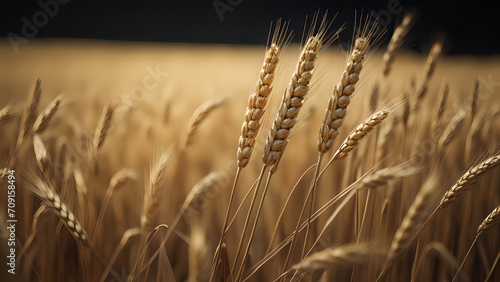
(48,195)
(465,182)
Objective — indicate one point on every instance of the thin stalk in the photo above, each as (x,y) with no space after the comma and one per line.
(313,191)
(465,258)
(252,203)
(259,209)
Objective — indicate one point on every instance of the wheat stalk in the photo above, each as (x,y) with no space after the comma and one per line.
(342,93)
(43,119)
(465,182)
(198,256)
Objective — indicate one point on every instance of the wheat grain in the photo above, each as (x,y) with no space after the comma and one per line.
(466,181)
(43,119)
(337,105)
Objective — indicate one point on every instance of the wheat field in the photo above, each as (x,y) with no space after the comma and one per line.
(290,162)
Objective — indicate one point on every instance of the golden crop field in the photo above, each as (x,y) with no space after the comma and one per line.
(198,162)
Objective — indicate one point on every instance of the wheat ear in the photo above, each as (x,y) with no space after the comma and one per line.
(51,198)
(358,133)
(30,113)
(256,106)
(452,129)
(383,176)
(154,192)
(396,42)
(200,114)
(117,181)
(442,104)
(291,103)
(41,155)
(415,218)
(103,127)
(345,255)
(489,221)
(430,66)
(465,182)
(43,119)
(337,105)
(473,100)
(5,114)
(27,119)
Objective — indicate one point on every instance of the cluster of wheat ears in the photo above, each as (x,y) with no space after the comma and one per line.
(391,202)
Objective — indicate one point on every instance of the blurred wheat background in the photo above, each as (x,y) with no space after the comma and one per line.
(139,141)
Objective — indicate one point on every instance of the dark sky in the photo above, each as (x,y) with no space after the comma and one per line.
(469,28)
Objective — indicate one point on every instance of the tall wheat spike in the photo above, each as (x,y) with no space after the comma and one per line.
(341,98)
